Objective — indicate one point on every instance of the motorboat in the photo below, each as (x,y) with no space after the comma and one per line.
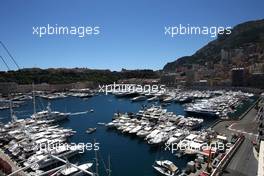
(144,132)
(139,98)
(175,138)
(159,138)
(43,159)
(168,99)
(155,98)
(90,130)
(166,167)
(136,129)
(152,134)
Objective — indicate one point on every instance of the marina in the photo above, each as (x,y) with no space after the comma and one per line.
(131,88)
(139,128)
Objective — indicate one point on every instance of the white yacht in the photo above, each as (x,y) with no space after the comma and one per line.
(136,129)
(129,128)
(139,98)
(42,159)
(168,99)
(175,138)
(145,131)
(73,171)
(48,114)
(166,167)
(159,138)
(155,98)
(152,134)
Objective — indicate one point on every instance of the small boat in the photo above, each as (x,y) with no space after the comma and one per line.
(139,98)
(168,100)
(91,110)
(90,130)
(166,167)
(101,123)
(155,98)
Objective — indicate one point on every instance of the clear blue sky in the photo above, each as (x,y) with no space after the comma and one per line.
(132,31)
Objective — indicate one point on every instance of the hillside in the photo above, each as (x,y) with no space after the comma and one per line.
(246,39)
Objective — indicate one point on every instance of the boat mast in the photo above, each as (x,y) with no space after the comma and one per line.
(34,99)
(11,109)
(109,166)
(12,115)
(208,168)
(96,163)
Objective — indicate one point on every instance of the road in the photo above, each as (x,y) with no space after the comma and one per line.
(247,125)
(244,162)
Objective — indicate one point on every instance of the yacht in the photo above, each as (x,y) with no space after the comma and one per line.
(42,160)
(129,128)
(90,130)
(145,131)
(159,138)
(199,111)
(155,98)
(53,96)
(29,142)
(175,138)
(168,99)
(166,167)
(73,171)
(136,129)
(152,134)
(139,98)
(48,114)
(82,95)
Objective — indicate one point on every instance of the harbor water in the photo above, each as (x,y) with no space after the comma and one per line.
(129,155)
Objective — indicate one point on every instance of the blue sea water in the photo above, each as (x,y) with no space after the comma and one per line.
(129,155)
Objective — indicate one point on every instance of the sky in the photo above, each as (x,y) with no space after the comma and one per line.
(131,31)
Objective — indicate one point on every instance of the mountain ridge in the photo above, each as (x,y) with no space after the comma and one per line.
(242,36)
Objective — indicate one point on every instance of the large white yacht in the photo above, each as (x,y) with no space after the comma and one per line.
(48,114)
